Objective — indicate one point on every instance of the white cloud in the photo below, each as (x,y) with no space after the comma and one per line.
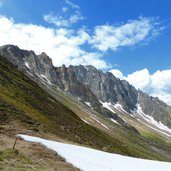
(62,45)
(164,96)
(68,18)
(57,20)
(134,31)
(75,17)
(162,80)
(140,79)
(161,85)
(64,9)
(157,84)
(117,73)
(71,4)
(60,21)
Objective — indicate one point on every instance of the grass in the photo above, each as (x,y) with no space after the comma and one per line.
(12,160)
(22,100)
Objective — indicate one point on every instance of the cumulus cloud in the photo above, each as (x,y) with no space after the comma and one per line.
(161,85)
(157,84)
(62,45)
(141,79)
(117,73)
(112,37)
(162,80)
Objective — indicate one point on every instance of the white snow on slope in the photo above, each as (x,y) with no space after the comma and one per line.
(114,121)
(107,106)
(119,107)
(116,106)
(44,78)
(164,129)
(85,121)
(99,122)
(88,103)
(88,159)
(140,116)
(27,65)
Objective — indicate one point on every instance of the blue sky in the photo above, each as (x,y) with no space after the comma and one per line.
(130,38)
(112,12)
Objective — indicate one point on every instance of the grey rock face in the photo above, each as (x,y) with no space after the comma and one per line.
(68,82)
(107,87)
(23,59)
(155,108)
(13,54)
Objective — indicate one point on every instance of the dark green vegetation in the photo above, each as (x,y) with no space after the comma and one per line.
(24,102)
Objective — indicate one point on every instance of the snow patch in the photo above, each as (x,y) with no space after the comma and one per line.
(44,78)
(107,106)
(120,108)
(99,122)
(85,121)
(88,104)
(116,106)
(88,159)
(114,121)
(86,68)
(27,65)
(153,122)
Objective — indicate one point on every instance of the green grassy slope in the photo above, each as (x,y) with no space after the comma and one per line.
(23,101)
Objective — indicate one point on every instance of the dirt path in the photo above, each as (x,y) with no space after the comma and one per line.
(40,156)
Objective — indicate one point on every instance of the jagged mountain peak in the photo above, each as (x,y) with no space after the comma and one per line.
(44,57)
(106,86)
(12,49)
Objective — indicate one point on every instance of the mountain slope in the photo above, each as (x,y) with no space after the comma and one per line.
(24,101)
(93,87)
(25,107)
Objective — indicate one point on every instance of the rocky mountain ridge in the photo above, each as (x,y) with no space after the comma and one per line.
(89,85)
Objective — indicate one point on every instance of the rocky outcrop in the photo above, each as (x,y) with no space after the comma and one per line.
(68,82)
(154,107)
(107,87)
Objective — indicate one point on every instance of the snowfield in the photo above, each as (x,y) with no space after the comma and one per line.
(88,159)
(158,126)
(142,117)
